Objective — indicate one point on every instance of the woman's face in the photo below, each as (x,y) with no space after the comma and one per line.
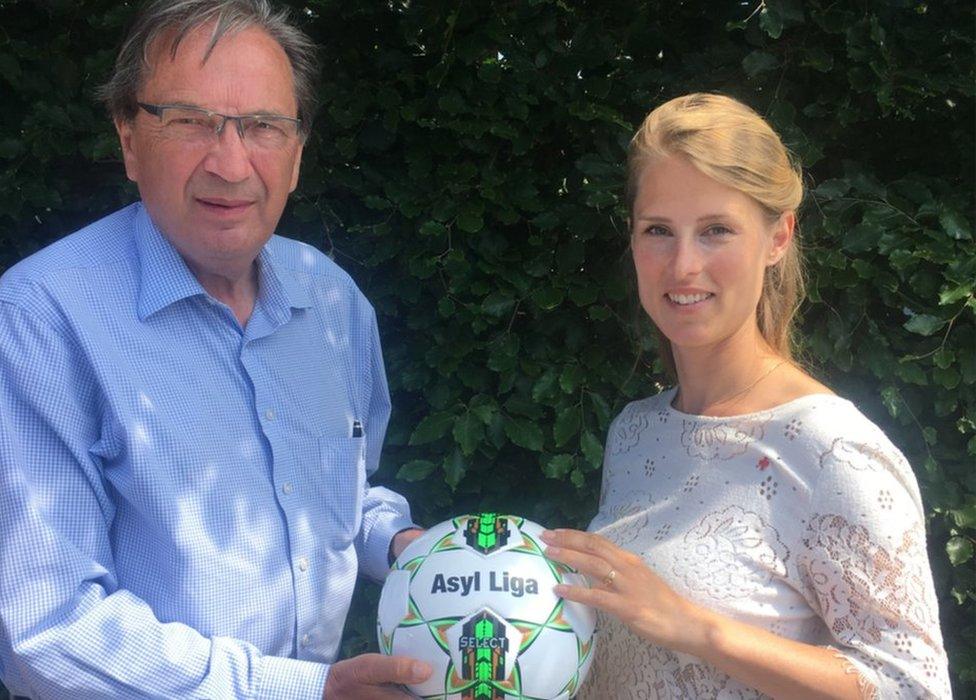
(700,250)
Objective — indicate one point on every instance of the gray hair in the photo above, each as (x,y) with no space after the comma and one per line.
(178,18)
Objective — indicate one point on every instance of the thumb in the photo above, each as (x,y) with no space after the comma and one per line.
(376,669)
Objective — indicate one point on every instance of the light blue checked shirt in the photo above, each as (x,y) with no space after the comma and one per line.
(183,502)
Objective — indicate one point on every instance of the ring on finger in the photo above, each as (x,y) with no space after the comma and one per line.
(608,579)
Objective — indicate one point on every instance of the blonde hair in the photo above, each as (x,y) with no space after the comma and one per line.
(729,142)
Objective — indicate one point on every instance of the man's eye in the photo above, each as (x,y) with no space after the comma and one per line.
(264,125)
(189,121)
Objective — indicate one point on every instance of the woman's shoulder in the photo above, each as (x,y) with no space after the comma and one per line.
(852,453)
(641,411)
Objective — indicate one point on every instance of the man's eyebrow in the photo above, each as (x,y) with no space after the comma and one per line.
(255,113)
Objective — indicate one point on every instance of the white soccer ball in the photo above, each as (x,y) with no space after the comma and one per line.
(473,598)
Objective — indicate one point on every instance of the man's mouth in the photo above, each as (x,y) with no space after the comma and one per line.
(220,204)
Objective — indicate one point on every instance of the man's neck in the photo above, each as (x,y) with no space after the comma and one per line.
(237,289)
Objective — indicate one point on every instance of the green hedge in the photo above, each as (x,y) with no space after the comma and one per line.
(466,168)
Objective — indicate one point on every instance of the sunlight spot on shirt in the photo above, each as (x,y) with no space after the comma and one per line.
(146,402)
(141,433)
(255,530)
(249,448)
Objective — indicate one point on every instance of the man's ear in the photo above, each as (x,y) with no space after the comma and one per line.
(124,128)
(782,236)
(296,169)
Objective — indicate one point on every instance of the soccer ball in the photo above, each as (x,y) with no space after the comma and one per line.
(473,598)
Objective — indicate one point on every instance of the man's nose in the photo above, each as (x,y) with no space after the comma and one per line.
(229,158)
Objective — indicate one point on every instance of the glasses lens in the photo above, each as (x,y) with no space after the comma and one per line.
(189,124)
(269,132)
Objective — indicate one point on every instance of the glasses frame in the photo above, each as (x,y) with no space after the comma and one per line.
(238,119)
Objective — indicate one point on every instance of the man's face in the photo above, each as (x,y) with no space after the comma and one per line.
(217,202)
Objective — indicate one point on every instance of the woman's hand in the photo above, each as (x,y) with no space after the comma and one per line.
(625,587)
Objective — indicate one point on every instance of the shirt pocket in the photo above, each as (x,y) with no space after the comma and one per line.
(343,463)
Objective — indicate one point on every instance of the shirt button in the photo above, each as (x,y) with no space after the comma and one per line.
(306,640)
(269,414)
(287,487)
(303,563)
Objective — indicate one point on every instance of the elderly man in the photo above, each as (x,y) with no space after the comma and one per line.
(189,405)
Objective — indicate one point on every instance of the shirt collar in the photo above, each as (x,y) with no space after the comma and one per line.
(164,277)
(278,289)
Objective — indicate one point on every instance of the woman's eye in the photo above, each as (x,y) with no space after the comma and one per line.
(717,230)
(657,231)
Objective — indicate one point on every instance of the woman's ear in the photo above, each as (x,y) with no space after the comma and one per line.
(782,236)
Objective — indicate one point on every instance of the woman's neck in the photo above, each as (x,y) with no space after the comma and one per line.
(719,379)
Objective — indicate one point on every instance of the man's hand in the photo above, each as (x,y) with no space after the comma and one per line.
(402,539)
(373,676)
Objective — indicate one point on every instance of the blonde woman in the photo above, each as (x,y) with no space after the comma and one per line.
(757,535)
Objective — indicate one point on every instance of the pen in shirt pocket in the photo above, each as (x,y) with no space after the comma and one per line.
(357,429)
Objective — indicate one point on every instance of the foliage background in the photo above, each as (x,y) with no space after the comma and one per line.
(466,169)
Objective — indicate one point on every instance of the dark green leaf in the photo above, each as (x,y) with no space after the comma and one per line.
(955,225)
(454,469)
(960,550)
(592,449)
(468,432)
(415,470)
(924,324)
(432,427)
(558,466)
(567,425)
(571,377)
(524,433)
(498,304)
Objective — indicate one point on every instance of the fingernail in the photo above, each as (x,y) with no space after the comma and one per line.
(547,534)
(559,588)
(552,551)
(420,670)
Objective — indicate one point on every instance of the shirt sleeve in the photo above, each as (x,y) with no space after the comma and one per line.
(385,513)
(67,628)
(863,562)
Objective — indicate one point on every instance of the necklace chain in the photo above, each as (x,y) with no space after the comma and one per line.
(749,386)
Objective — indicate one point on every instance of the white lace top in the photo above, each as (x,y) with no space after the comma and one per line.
(803,520)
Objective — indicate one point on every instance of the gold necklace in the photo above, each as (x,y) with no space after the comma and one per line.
(749,386)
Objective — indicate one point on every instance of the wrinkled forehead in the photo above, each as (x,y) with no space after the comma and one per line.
(244,65)
(173,40)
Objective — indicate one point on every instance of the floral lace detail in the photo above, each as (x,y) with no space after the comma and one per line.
(628,428)
(866,690)
(869,596)
(627,667)
(863,589)
(626,522)
(731,554)
(725,440)
(855,455)
(729,493)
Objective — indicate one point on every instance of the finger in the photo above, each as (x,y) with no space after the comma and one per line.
(586,542)
(597,546)
(606,600)
(594,567)
(375,669)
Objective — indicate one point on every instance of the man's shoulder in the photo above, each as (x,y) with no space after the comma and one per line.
(102,242)
(313,267)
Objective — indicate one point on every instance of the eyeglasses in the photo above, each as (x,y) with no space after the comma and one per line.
(196,125)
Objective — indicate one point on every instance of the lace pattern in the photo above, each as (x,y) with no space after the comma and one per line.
(803,520)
